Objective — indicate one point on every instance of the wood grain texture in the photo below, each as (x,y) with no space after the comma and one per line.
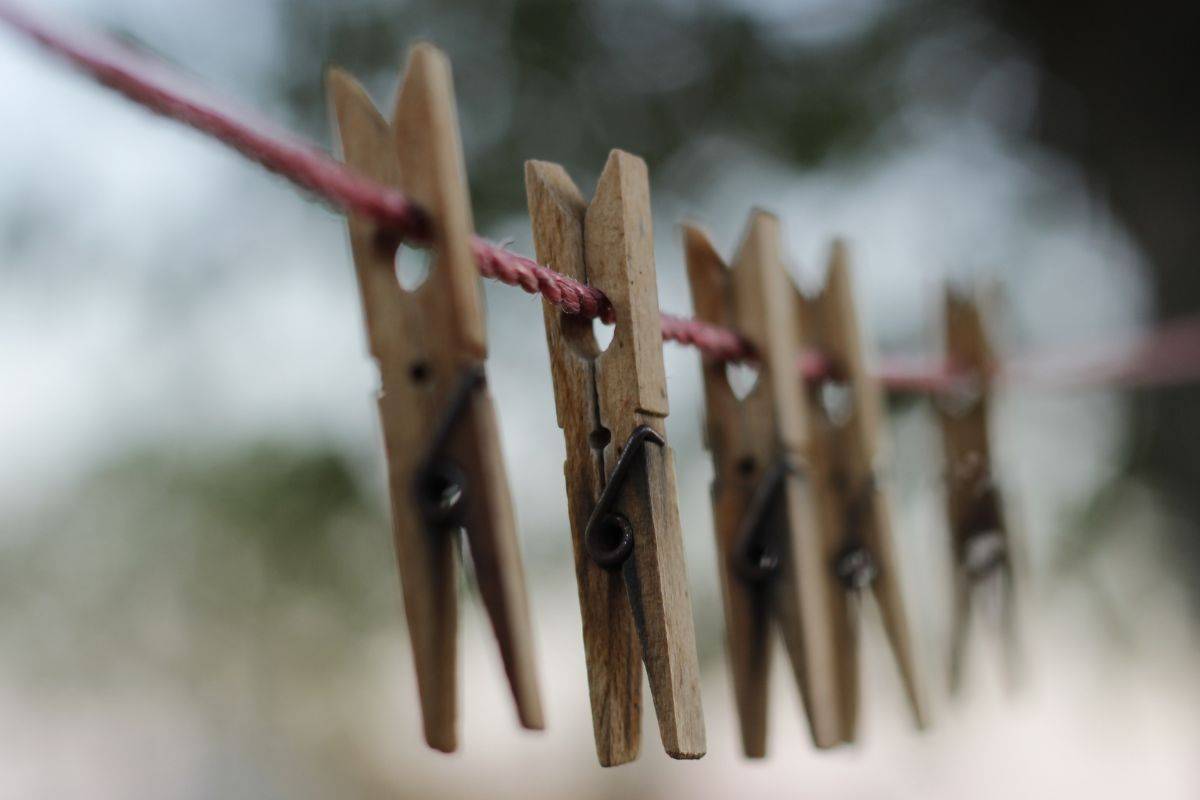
(423,341)
(973,503)
(747,437)
(848,447)
(602,397)
(610,641)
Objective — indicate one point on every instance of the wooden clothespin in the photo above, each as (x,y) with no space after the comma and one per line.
(982,554)
(445,468)
(620,473)
(847,410)
(771,553)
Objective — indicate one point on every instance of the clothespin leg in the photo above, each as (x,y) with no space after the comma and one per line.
(662,612)
(804,608)
(848,638)
(429,577)
(747,608)
(498,568)
(1010,628)
(890,599)
(959,630)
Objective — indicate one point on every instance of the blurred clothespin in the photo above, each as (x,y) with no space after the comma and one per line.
(848,417)
(620,473)
(771,553)
(982,549)
(445,468)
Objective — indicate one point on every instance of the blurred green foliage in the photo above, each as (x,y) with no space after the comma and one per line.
(162,562)
(568,81)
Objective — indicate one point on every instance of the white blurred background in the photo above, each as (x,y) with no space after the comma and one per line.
(197,591)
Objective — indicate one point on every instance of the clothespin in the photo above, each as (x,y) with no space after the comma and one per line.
(847,413)
(620,473)
(445,468)
(771,553)
(982,549)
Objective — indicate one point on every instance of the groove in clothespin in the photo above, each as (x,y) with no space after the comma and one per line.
(848,417)
(981,544)
(442,444)
(620,473)
(769,544)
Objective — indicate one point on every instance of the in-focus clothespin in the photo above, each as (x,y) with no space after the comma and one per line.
(445,468)
(982,554)
(848,417)
(770,548)
(620,473)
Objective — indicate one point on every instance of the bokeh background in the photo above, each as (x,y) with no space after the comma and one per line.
(197,590)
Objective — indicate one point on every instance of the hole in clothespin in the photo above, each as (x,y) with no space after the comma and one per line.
(961,398)
(420,371)
(604,332)
(412,267)
(837,401)
(742,378)
(746,465)
(588,338)
(599,438)
(970,468)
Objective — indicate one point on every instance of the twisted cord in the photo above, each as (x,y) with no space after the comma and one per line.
(1165,356)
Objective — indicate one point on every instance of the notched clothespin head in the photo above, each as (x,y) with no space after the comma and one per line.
(445,469)
(770,551)
(981,544)
(856,521)
(620,473)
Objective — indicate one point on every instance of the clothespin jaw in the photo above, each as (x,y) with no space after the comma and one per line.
(445,468)
(981,545)
(770,551)
(620,473)
(847,410)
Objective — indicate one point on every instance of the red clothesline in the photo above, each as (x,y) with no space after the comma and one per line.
(1170,354)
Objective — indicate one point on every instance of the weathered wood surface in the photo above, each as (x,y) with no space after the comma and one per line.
(423,341)
(747,438)
(849,419)
(602,397)
(973,503)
